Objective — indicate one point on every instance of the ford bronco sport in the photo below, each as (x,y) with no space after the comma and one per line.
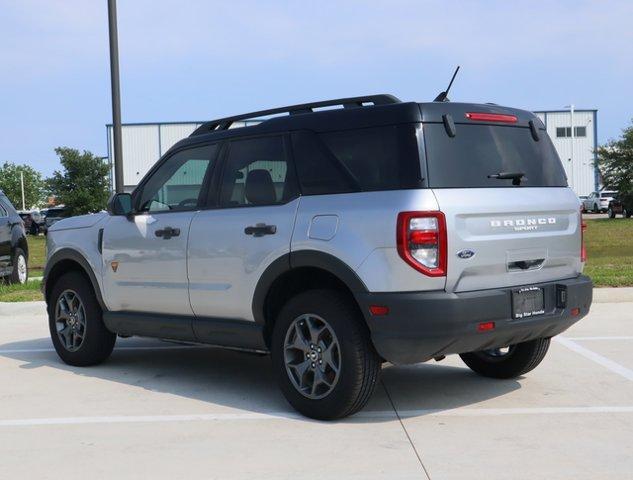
(335,239)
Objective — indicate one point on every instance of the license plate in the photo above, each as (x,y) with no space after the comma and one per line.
(527,302)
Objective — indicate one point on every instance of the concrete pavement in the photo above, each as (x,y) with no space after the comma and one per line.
(161,410)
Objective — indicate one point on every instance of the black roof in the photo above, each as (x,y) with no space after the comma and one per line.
(354,112)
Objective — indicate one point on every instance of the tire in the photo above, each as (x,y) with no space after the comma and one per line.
(626,213)
(611,213)
(595,208)
(520,359)
(97,341)
(20,272)
(358,363)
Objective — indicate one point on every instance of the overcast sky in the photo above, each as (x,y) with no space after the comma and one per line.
(201,59)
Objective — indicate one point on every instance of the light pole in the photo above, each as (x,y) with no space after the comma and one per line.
(571,159)
(116,96)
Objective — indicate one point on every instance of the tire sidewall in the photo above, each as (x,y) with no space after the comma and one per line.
(347,331)
(98,341)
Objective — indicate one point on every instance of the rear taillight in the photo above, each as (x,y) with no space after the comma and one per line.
(421,238)
(583,250)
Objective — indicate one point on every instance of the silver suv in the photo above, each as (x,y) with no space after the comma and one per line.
(335,239)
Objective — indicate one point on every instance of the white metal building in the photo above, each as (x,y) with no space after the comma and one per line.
(574,134)
(144,143)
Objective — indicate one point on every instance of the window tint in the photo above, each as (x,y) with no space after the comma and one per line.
(177,183)
(476,151)
(319,171)
(378,158)
(3,210)
(256,173)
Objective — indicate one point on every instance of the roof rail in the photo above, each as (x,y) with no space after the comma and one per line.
(352,102)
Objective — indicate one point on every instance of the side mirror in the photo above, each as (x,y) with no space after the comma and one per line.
(120,204)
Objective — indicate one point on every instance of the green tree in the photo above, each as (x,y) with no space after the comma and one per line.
(10,184)
(615,162)
(82,185)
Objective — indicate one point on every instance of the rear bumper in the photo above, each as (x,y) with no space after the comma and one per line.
(423,325)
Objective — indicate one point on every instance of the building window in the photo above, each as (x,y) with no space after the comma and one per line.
(565,132)
(580,131)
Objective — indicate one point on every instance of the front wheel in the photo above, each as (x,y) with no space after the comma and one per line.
(611,213)
(508,362)
(626,213)
(75,322)
(20,272)
(322,354)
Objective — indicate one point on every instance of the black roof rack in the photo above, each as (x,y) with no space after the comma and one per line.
(352,102)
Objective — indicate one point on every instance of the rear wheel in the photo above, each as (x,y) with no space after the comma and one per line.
(611,213)
(508,362)
(626,213)
(595,208)
(75,322)
(323,357)
(20,273)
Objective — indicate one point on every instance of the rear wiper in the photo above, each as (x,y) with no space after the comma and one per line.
(514,176)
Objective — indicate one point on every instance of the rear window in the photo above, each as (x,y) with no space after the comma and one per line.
(476,151)
(367,159)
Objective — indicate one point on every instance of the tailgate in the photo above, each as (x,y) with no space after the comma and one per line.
(517,236)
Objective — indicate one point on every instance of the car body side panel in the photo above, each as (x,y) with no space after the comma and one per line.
(364,235)
(84,241)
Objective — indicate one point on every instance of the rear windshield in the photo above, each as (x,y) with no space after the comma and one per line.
(476,151)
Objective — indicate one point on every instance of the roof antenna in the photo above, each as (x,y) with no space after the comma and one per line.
(443,97)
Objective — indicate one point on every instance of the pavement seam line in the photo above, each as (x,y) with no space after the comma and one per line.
(596,357)
(415,450)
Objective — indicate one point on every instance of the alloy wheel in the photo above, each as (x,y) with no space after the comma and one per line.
(312,356)
(22,269)
(70,320)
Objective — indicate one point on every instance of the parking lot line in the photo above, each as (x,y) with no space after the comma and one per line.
(246,416)
(583,339)
(595,357)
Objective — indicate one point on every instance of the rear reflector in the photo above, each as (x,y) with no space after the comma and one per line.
(421,241)
(491,117)
(575,312)
(485,326)
(378,310)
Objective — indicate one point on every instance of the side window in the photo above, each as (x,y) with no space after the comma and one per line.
(177,184)
(319,171)
(256,173)
(378,158)
(3,211)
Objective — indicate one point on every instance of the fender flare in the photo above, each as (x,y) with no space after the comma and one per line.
(298,259)
(75,256)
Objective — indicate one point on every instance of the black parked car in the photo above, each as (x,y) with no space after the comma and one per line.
(14,251)
(622,204)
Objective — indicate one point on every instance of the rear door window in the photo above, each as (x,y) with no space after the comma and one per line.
(366,159)
(477,151)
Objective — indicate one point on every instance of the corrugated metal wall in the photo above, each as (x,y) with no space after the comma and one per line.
(580,172)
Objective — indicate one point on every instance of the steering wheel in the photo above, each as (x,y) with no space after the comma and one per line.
(188,202)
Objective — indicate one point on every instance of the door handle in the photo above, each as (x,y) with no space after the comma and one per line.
(261,229)
(167,232)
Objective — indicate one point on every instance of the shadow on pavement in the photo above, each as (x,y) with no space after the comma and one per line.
(246,381)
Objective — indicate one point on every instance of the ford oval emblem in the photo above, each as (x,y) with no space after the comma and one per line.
(466,253)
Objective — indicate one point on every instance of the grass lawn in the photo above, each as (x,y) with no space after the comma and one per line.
(610,251)
(21,293)
(37,255)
